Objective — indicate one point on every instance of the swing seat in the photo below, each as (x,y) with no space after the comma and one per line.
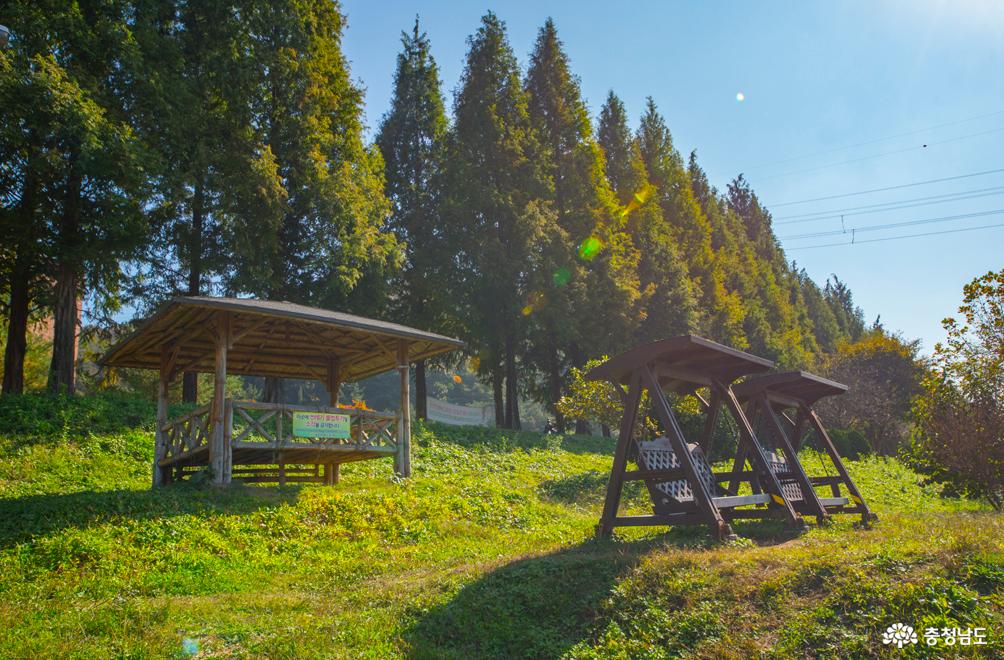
(792,491)
(658,454)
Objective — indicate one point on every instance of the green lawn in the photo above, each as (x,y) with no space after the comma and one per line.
(487,552)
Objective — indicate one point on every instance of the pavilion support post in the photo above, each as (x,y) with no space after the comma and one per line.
(334,385)
(220,459)
(402,461)
(162,476)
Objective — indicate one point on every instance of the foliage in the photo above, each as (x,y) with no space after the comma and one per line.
(496,208)
(594,400)
(960,413)
(51,418)
(73,168)
(487,552)
(883,372)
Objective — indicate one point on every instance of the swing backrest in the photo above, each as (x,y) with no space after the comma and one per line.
(792,491)
(658,454)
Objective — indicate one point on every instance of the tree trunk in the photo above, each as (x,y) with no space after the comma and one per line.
(554,387)
(65,313)
(421,411)
(65,316)
(511,386)
(497,396)
(190,381)
(17,328)
(273,390)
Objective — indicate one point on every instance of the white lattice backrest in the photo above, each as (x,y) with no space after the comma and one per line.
(658,454)
(792,491)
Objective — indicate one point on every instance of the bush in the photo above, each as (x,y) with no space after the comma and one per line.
(850,443)
(50,416)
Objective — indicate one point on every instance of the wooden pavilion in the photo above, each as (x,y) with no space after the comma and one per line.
(255,441)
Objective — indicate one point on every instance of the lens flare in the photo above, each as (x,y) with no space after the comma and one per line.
(740,97)
(590,248)
(457,378)
(562,276)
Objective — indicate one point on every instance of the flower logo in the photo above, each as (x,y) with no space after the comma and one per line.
(900,635)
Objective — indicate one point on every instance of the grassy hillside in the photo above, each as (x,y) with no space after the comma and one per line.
(488,552)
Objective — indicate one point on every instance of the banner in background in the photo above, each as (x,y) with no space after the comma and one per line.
(450,413)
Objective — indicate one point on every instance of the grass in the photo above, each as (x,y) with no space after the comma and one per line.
(487,552)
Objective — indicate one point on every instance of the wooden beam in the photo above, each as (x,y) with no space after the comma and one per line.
(616,484)
(403,461)
(794,465)
(220,459)
(713,408)
(702,496)
(749,444)
(160,476)
(866,515)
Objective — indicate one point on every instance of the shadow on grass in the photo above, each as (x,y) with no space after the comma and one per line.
(34,515)
(534,607)
(542,606)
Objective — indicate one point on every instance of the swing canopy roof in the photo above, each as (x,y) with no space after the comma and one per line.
(272,339)
(797,386)
(682,364)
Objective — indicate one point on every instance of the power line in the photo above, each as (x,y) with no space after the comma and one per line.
(873,141)
(894,225)
(881,155)
(891,206)
(899,187)
(895,238)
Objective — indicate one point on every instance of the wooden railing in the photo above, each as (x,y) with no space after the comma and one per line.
(185,435)
(253,422)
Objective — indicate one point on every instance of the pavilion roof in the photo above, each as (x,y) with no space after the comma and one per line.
(272,339)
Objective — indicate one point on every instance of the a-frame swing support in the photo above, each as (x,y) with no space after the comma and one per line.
(769,398)
(683,365)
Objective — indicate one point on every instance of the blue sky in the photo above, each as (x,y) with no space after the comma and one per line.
(840,97)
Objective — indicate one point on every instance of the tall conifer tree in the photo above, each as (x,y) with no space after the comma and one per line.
(497,218)
(78,162)
(329,232)
(590,250)
(669,307)
(193,106)
(412,140)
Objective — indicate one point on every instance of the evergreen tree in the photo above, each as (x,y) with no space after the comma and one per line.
(669,307)
(193,106)
(412,140)
(587,214)
(624,165)
(850,319)
(496,216)
(76,62)
(328,235)
(688,225)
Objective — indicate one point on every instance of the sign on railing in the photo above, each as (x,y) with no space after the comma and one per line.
(321,425)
